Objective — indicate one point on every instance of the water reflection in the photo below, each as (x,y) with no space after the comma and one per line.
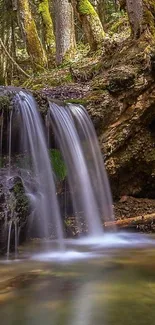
(113,289)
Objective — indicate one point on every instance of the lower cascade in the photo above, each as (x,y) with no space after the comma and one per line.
(71,135)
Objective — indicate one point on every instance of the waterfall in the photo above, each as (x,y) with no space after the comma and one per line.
(94,159)
(43,200)
(75,137)
(10,140)
(88,184)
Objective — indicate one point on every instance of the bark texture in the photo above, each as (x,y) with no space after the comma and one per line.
(135,13)
(141,15)
(49,37)
(90,21)
(64,29)
(131,222)
(29,31)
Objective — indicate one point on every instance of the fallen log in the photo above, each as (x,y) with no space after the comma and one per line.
(131,222)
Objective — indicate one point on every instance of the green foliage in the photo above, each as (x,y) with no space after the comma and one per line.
(58,164)
(121,24)
(86,8)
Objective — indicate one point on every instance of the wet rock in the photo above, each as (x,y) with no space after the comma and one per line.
(14,211)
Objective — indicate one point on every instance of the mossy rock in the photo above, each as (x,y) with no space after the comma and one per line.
(14,202)
(120,79)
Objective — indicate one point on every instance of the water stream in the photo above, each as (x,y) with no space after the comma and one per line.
(82,183)
(44,199)
(104,279)
(111,286)
(75,135)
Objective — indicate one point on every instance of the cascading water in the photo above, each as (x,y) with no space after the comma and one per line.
(93,200)
(43,200)
(76,138)
(1,136)
(10,140)
(94,159)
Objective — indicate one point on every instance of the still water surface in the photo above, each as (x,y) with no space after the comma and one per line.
(109,282)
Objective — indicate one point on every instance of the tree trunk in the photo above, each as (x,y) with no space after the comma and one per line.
(64,30)
(149,16)
(90,21)
(48,25)
(131,222)
(28,27)
(141,15)
(101,11)
(135,14)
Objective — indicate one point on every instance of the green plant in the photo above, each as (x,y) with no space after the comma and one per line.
(58,164)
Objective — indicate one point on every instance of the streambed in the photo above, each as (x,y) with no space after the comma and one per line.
(93,282)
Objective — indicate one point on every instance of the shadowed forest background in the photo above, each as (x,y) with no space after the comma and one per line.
(38,36)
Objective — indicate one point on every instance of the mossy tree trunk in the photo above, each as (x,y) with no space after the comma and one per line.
(49,37)
(64,30)
(90,21)
(29,31)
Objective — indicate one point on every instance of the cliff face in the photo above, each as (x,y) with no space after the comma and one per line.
(124,116)
(119,94)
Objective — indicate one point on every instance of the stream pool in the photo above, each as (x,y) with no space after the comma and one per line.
(104,281)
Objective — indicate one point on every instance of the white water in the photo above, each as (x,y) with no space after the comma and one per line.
(43,200)
(95,164)
(9,238)
(88,184)
(1,135)
(10,140)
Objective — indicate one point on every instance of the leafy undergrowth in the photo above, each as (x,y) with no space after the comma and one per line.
(63,75)
(85,64)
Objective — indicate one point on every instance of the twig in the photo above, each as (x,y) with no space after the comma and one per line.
(13,61)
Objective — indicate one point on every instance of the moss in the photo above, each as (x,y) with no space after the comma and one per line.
(4,102)
(53,81)
(86,8)
(99,85)
(48,25)
(33,44)
(67,78)
(21,199)
(149,15)
(58,164)
(91,23)
(119,24)
(81,101)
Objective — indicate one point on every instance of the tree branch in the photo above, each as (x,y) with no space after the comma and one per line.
(131,222)
(12,60)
